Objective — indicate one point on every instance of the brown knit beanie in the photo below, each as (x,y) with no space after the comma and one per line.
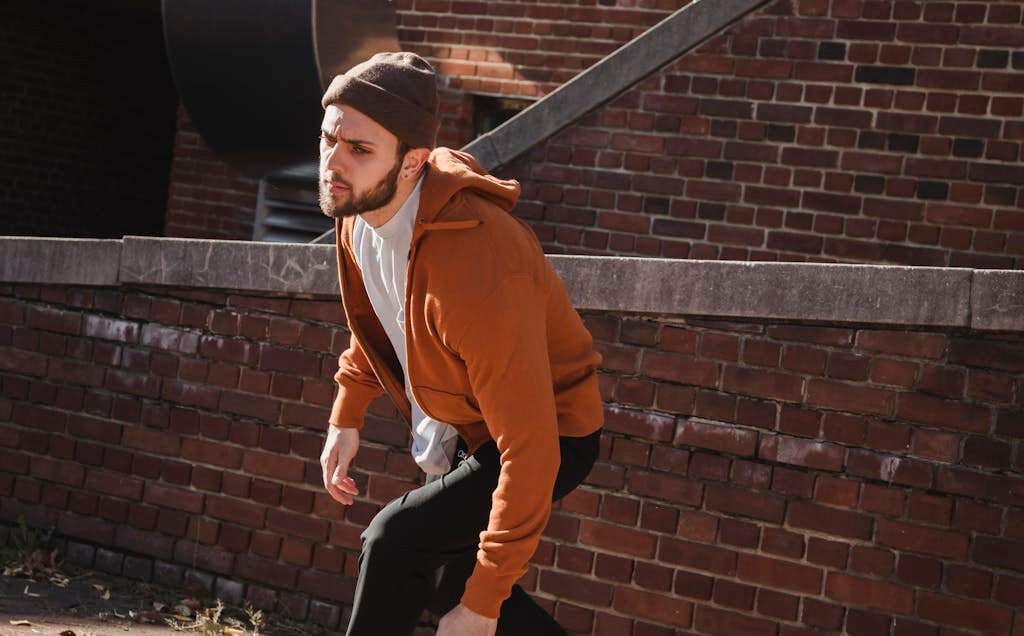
(396,90)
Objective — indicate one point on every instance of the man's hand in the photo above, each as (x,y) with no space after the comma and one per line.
(339,449)
(462,621)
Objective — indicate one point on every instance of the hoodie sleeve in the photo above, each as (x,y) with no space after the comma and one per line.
(506,355)
(357,387)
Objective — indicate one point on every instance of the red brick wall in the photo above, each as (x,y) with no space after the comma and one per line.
(755,478)
(515,49)
(813,130)
(207,197)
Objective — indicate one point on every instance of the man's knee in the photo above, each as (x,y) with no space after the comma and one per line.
(389,527)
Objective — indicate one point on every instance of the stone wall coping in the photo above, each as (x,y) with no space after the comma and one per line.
(985,300)
(71,261)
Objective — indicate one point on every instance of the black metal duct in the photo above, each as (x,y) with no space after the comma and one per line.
(250,73)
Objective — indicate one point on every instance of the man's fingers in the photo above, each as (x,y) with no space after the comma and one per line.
(342,481)
(339,495)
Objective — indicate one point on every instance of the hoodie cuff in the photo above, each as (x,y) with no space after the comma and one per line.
(485,592)
(345,418)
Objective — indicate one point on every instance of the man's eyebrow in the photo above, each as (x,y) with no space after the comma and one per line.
(358,142)
(351,142)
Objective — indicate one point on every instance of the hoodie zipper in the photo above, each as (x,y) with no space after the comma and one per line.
(413,251)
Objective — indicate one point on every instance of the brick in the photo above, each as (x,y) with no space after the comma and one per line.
(837,492)
(972,615)
(110,483)
(290,524)
(745,503)
(576,588)
(235,511)
(289,361)
(914,538)
(273,466)
(775,574)
(68,473)
(697,556)
(945,413)
(829,520)
(777,605)
(218,454)
(149,543)
(801,452)
(889,468)
(91,529)
(653,606)
(738,533)
(980,485)
(716,436)
(650,426)
(152,441)
(792,483)
(869,593)
(1010,590)
(175,498)
(847,397)
(928,346)
(49,319)
(966,581)
(999,553)
(23,362)
(265,571)
(871,561)
(761,383)
(617,539)
(169,338)
(969,515)
(125,331)
(680,369)
(714,621)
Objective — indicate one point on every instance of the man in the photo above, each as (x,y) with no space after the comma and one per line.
(458,316)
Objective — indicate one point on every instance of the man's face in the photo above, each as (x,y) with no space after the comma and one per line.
(359,163)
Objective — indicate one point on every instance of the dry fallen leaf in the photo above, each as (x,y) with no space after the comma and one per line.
(191,602)
(158,606)
(183,609)
(231,631)
(60,580)
(21,623)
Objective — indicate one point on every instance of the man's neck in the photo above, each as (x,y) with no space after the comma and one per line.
(380,216)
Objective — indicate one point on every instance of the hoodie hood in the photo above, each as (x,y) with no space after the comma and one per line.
(451,173)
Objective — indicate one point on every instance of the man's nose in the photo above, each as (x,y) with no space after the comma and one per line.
(334,160)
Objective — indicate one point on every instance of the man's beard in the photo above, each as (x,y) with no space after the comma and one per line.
(377,197)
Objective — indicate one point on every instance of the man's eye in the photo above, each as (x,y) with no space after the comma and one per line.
(359,150)
(325,138)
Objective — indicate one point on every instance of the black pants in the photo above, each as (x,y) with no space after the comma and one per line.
(420,548)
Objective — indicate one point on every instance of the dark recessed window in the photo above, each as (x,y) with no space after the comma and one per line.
(490,112)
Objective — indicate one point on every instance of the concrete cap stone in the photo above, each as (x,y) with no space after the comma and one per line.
(997,300)
(849,293)
(68,261)
(984,300)
(296,268)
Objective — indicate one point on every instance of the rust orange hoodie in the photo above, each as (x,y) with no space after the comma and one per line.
(495,349)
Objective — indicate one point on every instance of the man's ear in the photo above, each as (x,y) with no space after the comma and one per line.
(413,162)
